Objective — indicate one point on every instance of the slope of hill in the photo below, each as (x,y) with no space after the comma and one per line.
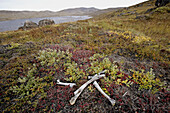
(78,11)
(130,44)
(99,12)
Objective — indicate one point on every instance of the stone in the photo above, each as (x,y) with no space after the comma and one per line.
(2,64)
(29,44)
(21,28)
(160,3)
(121,14)
(142,17)
(14,57)
(46,22)
(149,5)
(150,10)
(4,48)
(28,25)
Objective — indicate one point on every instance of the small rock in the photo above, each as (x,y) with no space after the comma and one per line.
(121,14)
(150,10)
(139,5)
(2,63)
(21,28)
(14,57)
(142,17)
(28,25)
(30,44)
(4,48)
(46,22)
(160,3)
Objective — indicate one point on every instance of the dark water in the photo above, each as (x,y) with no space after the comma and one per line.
(15,24)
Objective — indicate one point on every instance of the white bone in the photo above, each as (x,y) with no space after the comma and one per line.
(112,101)
(80,90)
(73,99)
(89,77)
(65,84)
(93,78)
(125,94)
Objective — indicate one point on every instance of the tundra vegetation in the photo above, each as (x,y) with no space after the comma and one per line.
(131,44)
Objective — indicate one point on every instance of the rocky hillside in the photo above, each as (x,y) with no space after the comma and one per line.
(130,47)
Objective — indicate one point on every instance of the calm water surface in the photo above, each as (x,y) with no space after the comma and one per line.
(15,24)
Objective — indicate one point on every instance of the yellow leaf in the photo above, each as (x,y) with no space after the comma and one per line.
(161,75)
(157,80)
(7,98)
(118,81)
(104,89)
(124,81)
(113,77)
(51,83)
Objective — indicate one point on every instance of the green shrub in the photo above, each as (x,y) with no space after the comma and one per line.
(163,9)
(147,80)
(49,57)
(29,87)
(14,45)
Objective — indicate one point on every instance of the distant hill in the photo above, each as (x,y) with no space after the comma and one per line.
(86,11)
(11,15)
(99,12)
(78,11)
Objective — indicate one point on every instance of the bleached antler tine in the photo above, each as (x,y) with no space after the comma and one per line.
(102,92)
(65,84)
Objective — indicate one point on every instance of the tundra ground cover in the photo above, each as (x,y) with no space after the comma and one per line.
(135,53)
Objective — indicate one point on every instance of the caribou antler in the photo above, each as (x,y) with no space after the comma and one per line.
(65,84)
(80,90)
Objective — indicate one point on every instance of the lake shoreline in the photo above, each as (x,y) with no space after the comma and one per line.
(9,19)
(11,25)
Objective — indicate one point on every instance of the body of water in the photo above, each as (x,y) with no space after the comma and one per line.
(11,25)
